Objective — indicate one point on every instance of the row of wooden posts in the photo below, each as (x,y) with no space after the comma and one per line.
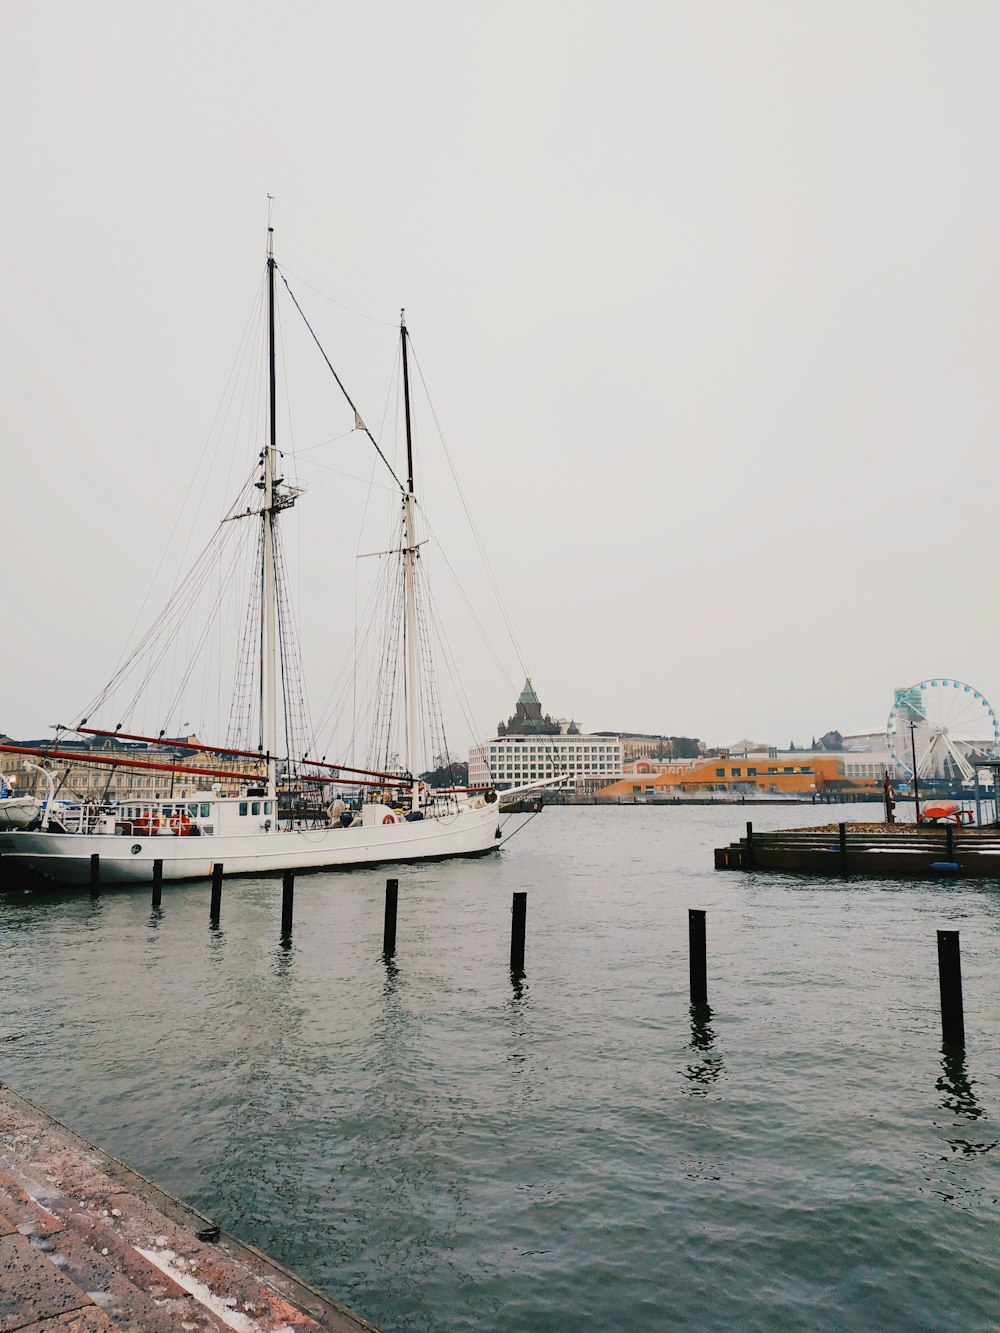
(949,976)
(519,911)
(949,952)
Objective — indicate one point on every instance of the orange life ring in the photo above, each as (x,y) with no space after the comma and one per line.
(142,824)
(180,822)
(388,819)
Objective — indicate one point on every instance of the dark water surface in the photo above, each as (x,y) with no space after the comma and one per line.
(444,1148)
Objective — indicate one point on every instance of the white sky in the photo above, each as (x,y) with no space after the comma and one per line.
(706,295)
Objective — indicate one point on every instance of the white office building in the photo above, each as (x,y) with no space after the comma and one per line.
(509,761)
(532,747)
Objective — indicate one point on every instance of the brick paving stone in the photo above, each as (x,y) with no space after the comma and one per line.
(91,1320)
(32,1288)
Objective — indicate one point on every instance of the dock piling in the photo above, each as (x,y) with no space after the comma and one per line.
(949,842)
(95,872)
(287,902)
(950,978)
(749,844)
(842,832)
(389,929)
(698,959)
(519,915)
(157,882)
(215,910)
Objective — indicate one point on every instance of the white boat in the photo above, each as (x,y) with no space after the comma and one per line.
(235,822)
(16,811)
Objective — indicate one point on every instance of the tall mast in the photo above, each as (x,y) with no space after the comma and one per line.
(269,654)
(410,623)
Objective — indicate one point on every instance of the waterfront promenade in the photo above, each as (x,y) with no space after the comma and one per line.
(89,1246)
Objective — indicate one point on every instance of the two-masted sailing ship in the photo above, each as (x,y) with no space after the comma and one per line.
(232,813)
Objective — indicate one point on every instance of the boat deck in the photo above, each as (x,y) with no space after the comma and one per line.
(908,850)
(89,1246)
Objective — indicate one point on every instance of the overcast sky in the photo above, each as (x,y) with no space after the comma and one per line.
(706,295)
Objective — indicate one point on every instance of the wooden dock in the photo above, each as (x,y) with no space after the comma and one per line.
(910,851)
(89,1246)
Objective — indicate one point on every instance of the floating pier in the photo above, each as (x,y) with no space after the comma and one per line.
(912,851)
(89,1246)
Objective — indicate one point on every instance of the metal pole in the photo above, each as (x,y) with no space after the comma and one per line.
(157,882)
(916,782)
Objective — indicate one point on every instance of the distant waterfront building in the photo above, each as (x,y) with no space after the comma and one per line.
(530,746)
(101,768)
(740,771)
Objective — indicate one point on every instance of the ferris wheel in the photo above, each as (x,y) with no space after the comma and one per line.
(947,724)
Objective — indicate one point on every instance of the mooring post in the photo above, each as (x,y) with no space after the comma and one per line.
(696,949)
(519,916)
(842,831)
(157,882)
(749,845)
(389,929)
(949,841)
(287,901)
(95,871)
(215,911)
(950,977)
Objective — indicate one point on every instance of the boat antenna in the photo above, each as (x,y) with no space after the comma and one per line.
(406,401)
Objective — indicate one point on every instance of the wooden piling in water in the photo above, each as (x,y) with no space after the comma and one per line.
(519,915)
(215,910)
(842,833)
(95,872)
(950,980)
(157,882)
(287,902)
(389,928)
(698,956)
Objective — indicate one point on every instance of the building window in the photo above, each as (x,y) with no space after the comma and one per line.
(720,772)
(751,772)
(737,772)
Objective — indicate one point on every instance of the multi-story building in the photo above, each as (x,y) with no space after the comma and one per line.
(531,747)
(103,769)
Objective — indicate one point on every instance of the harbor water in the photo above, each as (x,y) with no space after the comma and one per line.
(445,1147)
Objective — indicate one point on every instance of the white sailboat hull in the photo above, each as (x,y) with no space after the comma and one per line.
(126,859)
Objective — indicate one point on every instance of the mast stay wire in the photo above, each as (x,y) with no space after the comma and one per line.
(340,383)
(468,513)
(241,353)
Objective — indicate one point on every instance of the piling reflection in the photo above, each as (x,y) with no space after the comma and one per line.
(955,1086)
(702,1073)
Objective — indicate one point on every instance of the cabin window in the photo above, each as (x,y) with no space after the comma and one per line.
(193,811)
(255,808)
(243,807)
(206,810)
(168,810)
(268,807)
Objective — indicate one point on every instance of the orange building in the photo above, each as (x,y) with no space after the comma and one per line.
(791,774)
